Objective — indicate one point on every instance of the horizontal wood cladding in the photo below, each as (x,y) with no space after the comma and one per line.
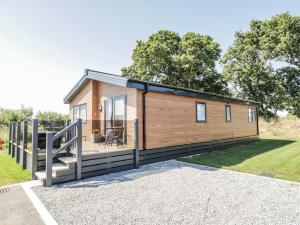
(171,121)
(162,154)
(110,162)
(104,163)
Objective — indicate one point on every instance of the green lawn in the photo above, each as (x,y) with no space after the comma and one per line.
(10,171)
(276,156)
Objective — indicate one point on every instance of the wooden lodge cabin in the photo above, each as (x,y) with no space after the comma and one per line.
(167,116)
(153,123)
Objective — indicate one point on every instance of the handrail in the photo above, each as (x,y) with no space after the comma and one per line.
(63,131)
(51,152)
(65,145)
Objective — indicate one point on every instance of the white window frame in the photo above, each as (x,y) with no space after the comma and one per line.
(80,112)
(251,115)
(226,114)
(201,120)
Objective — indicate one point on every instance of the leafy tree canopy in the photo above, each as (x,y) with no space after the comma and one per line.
(188,61)
(10,115)
(263,64)
(51,119)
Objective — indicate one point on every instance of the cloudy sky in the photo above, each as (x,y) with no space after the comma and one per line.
(46,45)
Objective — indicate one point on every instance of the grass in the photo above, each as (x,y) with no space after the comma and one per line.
(279,157)
(10,171)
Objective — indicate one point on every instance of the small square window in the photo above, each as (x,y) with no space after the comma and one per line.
(200,112)
(228,113)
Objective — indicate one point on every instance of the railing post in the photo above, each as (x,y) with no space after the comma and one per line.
(13,149)
(18,142)
(79,149)
(68,135)
(9,138)
(49,158)
(136,144)
(25,136)
(35,124)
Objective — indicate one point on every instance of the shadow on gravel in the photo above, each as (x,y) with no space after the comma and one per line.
(133,174)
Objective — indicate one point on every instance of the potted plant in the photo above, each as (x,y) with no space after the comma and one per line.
(95,136)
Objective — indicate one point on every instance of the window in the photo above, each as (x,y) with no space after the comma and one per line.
(251,115)
(228,113)
(79,111)
(200,112)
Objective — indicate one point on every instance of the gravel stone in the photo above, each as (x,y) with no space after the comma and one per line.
(174,192)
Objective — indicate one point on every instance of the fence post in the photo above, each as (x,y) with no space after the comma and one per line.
(9,138)
(18,142)
(49,146)
(136,144)
(68,135)
(35,124)
(79,149)
(13,149)
(25,136)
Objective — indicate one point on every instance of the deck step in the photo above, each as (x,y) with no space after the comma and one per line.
(68,161)
(60,173)
(41,175)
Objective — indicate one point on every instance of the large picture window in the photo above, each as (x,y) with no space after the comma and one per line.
(201,112)
(251,115)
(228,113)
(79,111)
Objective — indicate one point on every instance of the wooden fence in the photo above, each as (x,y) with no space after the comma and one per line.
(23,146)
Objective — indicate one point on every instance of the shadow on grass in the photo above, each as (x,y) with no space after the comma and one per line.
(238,154)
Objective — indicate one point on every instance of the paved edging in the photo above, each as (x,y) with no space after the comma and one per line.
(43,212)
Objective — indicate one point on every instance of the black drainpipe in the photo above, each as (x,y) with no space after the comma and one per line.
(257,123)
(144,116)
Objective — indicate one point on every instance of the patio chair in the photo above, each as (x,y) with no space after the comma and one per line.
(115,135)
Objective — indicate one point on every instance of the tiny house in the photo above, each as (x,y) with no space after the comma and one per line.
(168,116)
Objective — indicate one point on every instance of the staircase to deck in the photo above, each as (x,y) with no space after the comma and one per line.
(63,170)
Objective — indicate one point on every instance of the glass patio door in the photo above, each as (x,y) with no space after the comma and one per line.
(118,110)
(115,112)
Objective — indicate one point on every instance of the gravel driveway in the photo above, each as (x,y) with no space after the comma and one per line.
(174,192)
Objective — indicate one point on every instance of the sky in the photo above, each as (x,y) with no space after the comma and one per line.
(45,46)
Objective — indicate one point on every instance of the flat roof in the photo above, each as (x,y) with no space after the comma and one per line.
(151,86)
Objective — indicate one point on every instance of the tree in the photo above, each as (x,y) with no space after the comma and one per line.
(187,61)
(263,64)
(10,115)
(281,43)
(51,119)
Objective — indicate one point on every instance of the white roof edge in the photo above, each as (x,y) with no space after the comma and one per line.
(95,75)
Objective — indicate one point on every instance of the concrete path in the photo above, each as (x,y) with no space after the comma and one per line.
(16,208)
(174,192)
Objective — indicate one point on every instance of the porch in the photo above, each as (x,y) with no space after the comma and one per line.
(89,148)
(64,154)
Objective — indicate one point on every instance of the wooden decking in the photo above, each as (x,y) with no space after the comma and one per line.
(94,148)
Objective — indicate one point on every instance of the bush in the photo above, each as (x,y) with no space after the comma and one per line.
(51,120)
(10,115)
